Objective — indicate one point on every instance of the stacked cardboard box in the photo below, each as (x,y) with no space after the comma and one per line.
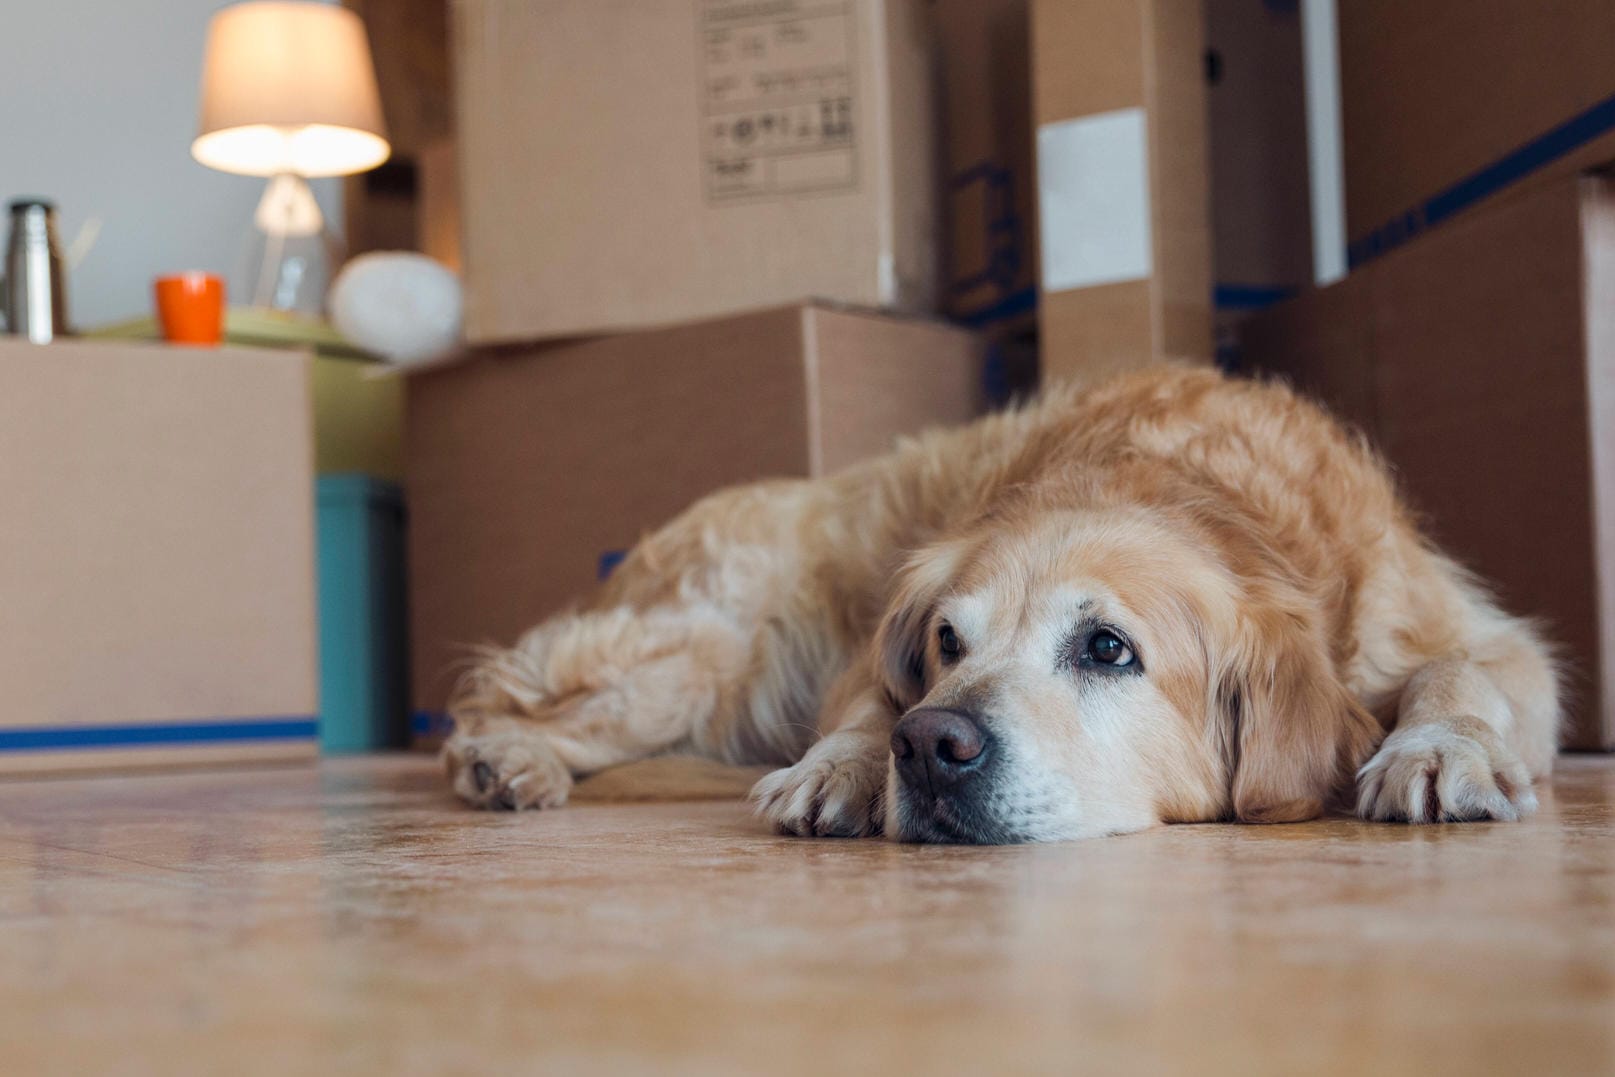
(1447,104)
(632,165)
(1260,208)
(990,188)
(688,232)
(531,470)
(1481,360)
(1474,339)
(989,183)
(1125,243)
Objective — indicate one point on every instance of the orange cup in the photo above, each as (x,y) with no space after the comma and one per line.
(190,307)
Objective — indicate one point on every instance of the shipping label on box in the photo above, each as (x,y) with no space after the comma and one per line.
(1093,184)
(777,105)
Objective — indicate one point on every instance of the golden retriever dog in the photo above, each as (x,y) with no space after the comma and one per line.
(1175,597)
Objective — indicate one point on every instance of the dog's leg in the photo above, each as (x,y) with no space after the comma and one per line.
(584,692)
(1469,736)
(718,636)
(838,788)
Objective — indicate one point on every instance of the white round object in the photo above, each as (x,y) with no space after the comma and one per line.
(402,306)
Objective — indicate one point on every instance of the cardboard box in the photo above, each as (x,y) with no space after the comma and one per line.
(529,469)
(437,220)
(1119,96)
(1260,205)
(358,417)
(1481,359)
(157,558)
(628,165)
(989,182)
(1446,103)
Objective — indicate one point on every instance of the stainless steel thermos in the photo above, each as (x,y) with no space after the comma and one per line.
(33,293)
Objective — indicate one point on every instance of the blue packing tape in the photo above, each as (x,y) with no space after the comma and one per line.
(1548,147)
(174,734)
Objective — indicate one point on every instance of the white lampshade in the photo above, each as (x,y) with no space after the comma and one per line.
(289,86)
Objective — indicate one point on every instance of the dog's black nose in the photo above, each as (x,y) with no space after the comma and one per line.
(937,748)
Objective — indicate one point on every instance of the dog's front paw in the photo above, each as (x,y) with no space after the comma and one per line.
(837,790)
(1439,772)
(507,769)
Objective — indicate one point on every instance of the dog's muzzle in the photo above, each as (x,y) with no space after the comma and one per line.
(946,764)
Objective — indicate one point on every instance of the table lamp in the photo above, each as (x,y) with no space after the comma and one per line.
(289,92)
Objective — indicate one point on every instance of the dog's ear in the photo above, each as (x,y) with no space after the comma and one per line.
(1292,734)
(905,628)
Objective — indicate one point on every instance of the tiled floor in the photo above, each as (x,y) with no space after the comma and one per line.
(355,920)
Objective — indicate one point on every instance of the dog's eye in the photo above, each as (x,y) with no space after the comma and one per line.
(947,642)
(1109,649)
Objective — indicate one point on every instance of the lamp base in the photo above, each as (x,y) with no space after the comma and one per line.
(288,256)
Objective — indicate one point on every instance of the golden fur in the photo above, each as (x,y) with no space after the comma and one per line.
(1296,643)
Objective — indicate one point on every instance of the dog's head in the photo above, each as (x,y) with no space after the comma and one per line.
(1064,675)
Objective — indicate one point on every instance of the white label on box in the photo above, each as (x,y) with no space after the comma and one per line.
(1093,200)
(777,97)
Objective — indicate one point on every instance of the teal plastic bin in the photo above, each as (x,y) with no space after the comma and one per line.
(364,652)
